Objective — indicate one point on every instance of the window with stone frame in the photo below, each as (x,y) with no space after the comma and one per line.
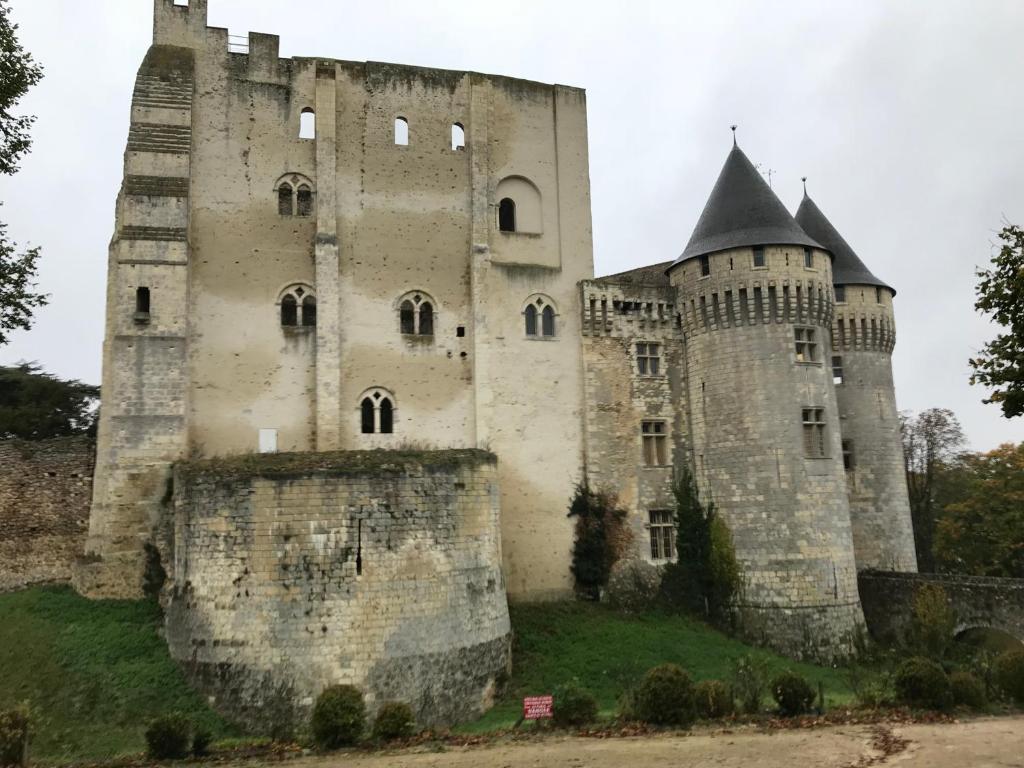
(759,260)
(663,534)
(377,412)
(648,358)
(840,294)
(295,195)
(539,318)
(298,307)
(806,340)
(837,370)
(848,462)
(815,443)
(705,265)
(416,314)
(655,443)
(808,258)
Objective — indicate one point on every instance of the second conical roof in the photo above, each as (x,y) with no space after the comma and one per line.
(847,268)
(742,211)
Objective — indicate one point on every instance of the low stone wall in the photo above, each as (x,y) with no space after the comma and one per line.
(45,490)
(377,569)
(888,601)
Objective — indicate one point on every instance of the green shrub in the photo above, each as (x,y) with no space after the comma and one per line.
(933,622)
(395,720)
(626,705)
(633,586)
(793,694)
(665,697)
(601,537)
(168,737)
(1010,675)
(13,736)
(713,699)
(968,691)
(923,683)
(201,740)
(750,681)
(574,706)
(339,717)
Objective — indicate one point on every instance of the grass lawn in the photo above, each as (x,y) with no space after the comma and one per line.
(609,653)
(94,673)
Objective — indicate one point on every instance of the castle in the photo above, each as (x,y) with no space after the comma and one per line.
(315,259)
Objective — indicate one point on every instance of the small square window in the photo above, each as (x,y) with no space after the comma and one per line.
(663,534)
(705,266)
(806,344)
(460,332)
(759,260)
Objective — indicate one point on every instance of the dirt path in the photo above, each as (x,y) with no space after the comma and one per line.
(992,743)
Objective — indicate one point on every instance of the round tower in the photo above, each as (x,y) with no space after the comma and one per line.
(863,336)
(755,298)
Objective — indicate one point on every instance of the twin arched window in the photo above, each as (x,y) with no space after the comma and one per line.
(294,195)
(416,314)
(298,307)
(539,316)
(377,412)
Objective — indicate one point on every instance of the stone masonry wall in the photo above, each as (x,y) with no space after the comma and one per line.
(45,488)
(376,569)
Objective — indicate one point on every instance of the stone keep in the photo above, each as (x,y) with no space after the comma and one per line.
(325,258)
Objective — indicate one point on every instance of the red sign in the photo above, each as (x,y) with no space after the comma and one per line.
(537,707)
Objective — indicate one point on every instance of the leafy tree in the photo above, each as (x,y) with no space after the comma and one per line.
(37,406)
(600,538)
(18,73)
(1000,293)
(931,443)
(983,533)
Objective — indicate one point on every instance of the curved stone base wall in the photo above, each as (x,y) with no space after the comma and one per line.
(822,633)
(377,569)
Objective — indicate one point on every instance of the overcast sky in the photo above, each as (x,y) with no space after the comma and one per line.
(907,118)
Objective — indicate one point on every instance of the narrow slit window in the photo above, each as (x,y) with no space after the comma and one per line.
(837,370)
(387,417)
(309,311)
(368,416)
(289,311)
(426,319)
(507,215)
(458,137)
(305,201)
(307,124)
(662,529)
(407,317)
(284,200)
(759,257)
(547,323)
(401,132)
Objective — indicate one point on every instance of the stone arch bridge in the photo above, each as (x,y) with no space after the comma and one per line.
(977,601)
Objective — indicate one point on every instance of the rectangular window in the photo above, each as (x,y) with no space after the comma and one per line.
(655,449)
(837,370)
(268,441)
(840,294)
(648,359)
(878,295)
(848,455)
(759,257)
(808,258)
(814,433)
(806,345)
(705,266)
(663,534)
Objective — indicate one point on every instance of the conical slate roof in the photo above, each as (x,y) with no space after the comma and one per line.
(847,268)
(742,211)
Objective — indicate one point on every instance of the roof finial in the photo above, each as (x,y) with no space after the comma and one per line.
(733,135)
(804,180)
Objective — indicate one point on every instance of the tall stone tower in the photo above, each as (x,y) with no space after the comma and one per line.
(863,336)
(754,292)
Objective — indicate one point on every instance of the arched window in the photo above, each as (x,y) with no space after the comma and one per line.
(458,137)
(416,314)
(284,200)
(507,215)
(377,412)
(401,131)
(531,320)
(426,319)
(307,124)
(407,317)
(305,200)
(289,311)
(309,311)
(547,326)
(298,307)
(368,417)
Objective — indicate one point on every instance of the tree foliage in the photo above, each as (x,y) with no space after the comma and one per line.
(18,73)
(1000,294)
(931,442)
(38,406)
(601,537)
(982,532)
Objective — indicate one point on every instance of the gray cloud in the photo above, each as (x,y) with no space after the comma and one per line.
(906,117)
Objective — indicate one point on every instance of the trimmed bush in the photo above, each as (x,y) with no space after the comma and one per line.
(574,706)
(793,694)
(713,699)
(665,697)
(395,720)
(750,681)
(922,683)
(933,622)
(13,736)
(1010,675)
(968,691)
(339,717)
(633,586)
(168,737)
